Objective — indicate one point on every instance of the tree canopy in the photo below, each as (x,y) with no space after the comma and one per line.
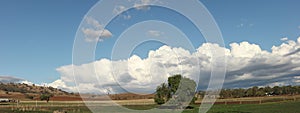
(178,91)
(46,97)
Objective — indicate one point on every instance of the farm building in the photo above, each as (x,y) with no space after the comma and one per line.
(4,100)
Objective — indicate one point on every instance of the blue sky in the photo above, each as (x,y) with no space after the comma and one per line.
(36,37)
(264,22)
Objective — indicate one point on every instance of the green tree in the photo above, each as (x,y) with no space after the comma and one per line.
(174,82)
(268,89)
(249,92)
(260,93)
(162,94)
(277,90)
(238,93)
(225,93)
(297,88)
(46,97)
(179,90)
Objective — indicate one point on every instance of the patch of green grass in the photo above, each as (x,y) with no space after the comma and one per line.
(281,107)
(140,107)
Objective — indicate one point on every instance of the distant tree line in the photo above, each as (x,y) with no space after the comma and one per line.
(167,91)
(257,91)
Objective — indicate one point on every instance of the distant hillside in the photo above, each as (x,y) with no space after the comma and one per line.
(29,92)
(23,91)
(25,88)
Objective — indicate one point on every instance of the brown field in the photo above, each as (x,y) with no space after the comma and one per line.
(75,103)
(76,97)
(135,99)
(66,98)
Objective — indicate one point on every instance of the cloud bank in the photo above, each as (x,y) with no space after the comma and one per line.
(9,79)
(247,65)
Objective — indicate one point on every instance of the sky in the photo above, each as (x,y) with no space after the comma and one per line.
(37,36)
(37,39)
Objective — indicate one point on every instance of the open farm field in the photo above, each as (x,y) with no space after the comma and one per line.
(280,104)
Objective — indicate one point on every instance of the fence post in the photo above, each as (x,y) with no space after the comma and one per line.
(17,103)
(259,101)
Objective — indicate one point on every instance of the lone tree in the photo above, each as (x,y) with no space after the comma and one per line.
(46,97)
(178,91)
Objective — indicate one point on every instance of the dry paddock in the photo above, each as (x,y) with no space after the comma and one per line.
(41,104)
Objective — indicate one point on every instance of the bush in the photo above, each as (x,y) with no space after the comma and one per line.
(46,97)
(29,96)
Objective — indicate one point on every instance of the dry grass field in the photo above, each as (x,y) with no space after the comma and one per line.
(75,103)
(221,105)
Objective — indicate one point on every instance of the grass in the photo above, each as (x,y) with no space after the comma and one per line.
(274,107)
(81,109)
(140,107)
(279,107)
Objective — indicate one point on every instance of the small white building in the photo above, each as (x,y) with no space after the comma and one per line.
(4,100)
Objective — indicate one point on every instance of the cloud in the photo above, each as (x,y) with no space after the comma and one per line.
(95,31)
(143,4)
(284,39)
(247,65)
(242,25)
(93,22)
(245,23)
(96,35)
(62,85)
(27,82)
(9,79)
(119,9)
(154,33)
(294,52)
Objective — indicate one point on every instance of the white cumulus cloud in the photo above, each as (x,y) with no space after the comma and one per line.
(247,65)
(95,31)
(284,39)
